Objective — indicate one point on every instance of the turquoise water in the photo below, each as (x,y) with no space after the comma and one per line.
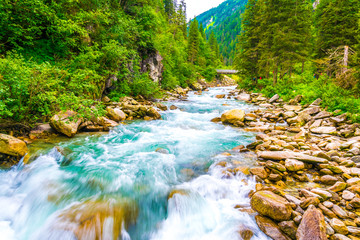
(141,162)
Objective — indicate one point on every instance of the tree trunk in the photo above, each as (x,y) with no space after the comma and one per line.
(346,59)
(275,74)
(303,66)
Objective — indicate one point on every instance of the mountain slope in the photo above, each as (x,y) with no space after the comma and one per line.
(225,21)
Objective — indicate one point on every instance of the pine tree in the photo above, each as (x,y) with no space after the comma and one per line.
(193,41)
(202,31)
(337,24)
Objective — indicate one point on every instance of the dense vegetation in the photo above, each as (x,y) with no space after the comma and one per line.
(224,22)
(65,54)
(293,47)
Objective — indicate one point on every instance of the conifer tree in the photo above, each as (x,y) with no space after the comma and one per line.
(193,41)
(337,24)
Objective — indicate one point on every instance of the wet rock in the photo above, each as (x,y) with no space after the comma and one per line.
(293,165)
(106,123)
(270,228)
(233,116)
(269,204)
(312,226)
(41,131)
(161,106)
(90,220)
(151,112)
(220,96)
(173,107)
(339,226)
(66,123)
(322,193)
(245,232)
(115,114)
(259,171)
(244,97)
(13,146)
(355,202)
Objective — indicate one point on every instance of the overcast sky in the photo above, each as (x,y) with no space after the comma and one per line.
(196,7)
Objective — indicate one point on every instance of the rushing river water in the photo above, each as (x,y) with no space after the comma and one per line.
(131,171)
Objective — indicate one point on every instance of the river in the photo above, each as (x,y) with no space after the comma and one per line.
(138,165)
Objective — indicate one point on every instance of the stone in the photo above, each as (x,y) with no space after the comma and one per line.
(339,212)
(115,114)
(322,193)
(151,112)
(282,155)
(243,97)
(293,165)
(271,205)
(347,195)
(316,102)
(337,187)
(328,180)
(41,131)
(339,226)
(276,166)
(324,130)
(259,171)
(312,226)
(66,123)
(327,211)
(292,107)
(220,96)
(245,232)
(233,116)
(270,228)
(289,228)
(355,202)
(338,236)
(106,123)
(289,114)
(322,115)
(309,201)
(274,98)
(354,230)
(311,110)
(173,107)
(12,146)
(97,217)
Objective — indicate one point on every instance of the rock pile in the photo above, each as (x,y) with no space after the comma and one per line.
(308,169)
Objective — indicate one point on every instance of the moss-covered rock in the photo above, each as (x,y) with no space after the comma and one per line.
(13,146)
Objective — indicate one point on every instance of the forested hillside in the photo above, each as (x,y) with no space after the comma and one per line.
(225,22)
(57,55)
(295,47)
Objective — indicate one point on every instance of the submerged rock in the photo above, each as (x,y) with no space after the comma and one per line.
(98,219)
(271,205)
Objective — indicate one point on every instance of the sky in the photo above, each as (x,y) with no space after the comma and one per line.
(196,7)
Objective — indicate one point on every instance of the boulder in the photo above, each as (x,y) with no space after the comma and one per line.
(243,97)
(115,114)
(282,155)
(151,112)
(274,98)
(294,165)
(66,123)
(312,225)
(97,219)
(324,130)
(13,146)
(270,228)
(233,116)
(289,227)
(259,171)
(271,205)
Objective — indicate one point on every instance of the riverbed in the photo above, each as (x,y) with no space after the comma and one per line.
(140,163)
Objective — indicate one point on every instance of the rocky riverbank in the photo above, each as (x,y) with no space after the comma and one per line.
(308,169)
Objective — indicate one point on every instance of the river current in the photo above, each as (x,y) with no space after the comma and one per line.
(139,164)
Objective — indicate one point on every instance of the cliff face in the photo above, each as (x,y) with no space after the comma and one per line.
(153,64)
